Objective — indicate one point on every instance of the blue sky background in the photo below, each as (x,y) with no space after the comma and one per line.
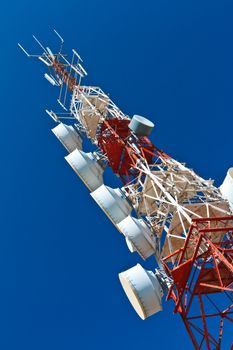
(171,61)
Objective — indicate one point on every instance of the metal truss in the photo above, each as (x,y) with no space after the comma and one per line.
(202,271)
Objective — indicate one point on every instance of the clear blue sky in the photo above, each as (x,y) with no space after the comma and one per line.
(171,61)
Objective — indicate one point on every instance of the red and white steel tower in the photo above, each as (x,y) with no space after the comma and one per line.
(163,208)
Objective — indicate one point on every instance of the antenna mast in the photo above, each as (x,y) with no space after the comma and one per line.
(163,208)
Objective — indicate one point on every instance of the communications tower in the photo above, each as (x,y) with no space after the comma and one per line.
(163,208)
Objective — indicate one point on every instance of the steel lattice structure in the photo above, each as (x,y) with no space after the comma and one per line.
(180,218)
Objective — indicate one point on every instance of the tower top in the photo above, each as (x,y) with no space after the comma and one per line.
(62,72)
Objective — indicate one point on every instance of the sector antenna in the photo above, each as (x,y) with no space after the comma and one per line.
(163,208)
